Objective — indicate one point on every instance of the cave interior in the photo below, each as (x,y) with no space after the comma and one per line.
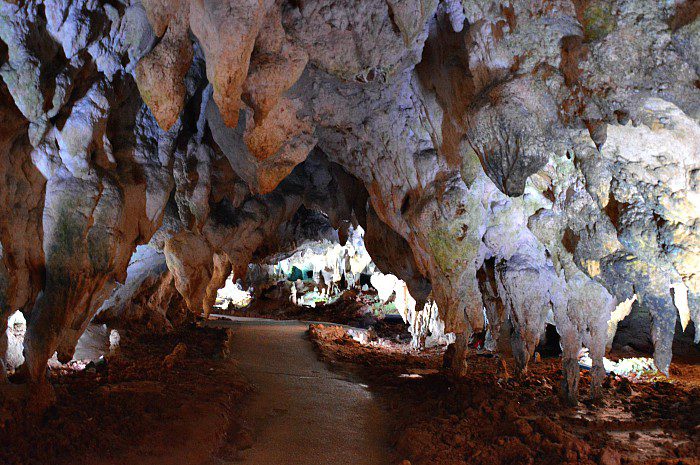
(492,187)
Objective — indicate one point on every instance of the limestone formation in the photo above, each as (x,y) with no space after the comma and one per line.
(530,164)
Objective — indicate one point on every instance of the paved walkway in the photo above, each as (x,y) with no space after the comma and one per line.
(302,413)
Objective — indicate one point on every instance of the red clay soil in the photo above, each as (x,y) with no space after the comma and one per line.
(163,399)
(490,418)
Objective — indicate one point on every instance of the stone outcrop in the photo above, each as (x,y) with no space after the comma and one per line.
(531,163)
(148,298)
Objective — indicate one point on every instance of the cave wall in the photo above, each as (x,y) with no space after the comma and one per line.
(555,144)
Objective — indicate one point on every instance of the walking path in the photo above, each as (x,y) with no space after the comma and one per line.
(301,412)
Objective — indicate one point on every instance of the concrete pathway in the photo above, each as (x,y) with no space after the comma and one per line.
(302,413)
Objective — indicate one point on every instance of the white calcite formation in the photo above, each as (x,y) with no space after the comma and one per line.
(14,337)
(334,268)
(327,260)
(233,294)
(522,165)
(424,323)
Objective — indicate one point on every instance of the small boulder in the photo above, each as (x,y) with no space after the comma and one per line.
(610,457)
(175,357)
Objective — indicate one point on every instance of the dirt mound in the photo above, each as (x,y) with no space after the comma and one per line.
(142,406)
(489,417)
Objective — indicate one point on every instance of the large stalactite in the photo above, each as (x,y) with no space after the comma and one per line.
(504,158)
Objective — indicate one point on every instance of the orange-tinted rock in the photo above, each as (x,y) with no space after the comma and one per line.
(227,31)
(160,75)
(275,66)
(161,12)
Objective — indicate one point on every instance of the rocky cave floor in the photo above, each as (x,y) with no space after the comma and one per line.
(491,417)
(162,399)
(176,398)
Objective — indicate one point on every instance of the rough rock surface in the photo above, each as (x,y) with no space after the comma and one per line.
(540,160)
